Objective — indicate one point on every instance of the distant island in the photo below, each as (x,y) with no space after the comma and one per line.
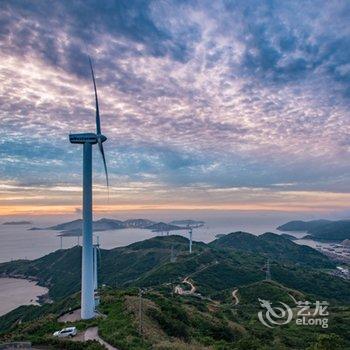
(185,223)
(163,227)
(74,228)
(323,230)
(17,223)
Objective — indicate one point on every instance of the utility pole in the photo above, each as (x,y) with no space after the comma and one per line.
(140,313)
(268,271)
(61,242)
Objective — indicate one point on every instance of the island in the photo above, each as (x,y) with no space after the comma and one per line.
(74,228)
(17,223)
(321,230)
(186,223)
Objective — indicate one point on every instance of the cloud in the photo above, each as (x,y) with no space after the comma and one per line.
(210,94)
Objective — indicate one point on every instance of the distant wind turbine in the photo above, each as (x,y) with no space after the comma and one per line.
(89,139)
(190,238)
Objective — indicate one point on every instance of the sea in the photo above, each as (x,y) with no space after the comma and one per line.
(15,292)
(19,242)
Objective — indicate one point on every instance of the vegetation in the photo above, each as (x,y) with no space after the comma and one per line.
(211,319)
(275,247)
(178,322)
(321,229)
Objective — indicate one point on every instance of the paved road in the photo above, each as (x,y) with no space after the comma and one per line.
(91,333)
(72,316)
(181,291)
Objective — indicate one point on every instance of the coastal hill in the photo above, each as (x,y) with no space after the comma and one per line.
(320,229)
(229,278)
(74,228)
(302,226)
(273,246)
(219,265)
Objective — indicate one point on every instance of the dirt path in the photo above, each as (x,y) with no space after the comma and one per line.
(186,280)
(179,290)
(234,296)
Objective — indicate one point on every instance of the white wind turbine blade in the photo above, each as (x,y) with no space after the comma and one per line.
(98,126)
(100,146)
(98,122)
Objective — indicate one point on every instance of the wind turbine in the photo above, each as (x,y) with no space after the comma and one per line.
(190,237)
(87,275)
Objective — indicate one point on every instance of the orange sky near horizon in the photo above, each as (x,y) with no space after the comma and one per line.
(292,202)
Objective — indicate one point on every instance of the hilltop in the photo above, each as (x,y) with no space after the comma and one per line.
(273,246)
(233,260)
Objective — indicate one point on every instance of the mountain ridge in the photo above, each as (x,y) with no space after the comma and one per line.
(214,267)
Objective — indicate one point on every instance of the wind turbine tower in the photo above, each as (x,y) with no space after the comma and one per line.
(190,237)
(88,140)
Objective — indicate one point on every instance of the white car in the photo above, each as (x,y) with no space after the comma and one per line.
(66,332)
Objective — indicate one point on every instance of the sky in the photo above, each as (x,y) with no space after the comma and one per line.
(207,105)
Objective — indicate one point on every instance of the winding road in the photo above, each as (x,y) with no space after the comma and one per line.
(234,296)
(179,290)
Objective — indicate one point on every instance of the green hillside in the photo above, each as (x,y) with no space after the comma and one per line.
(229,279)
(179,323)
(234,260)
(61,270)
(275,247)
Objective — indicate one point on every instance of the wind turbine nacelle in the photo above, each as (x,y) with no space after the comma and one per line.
(86,138)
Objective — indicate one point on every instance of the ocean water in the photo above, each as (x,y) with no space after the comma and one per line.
(15,292)
(18,242)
